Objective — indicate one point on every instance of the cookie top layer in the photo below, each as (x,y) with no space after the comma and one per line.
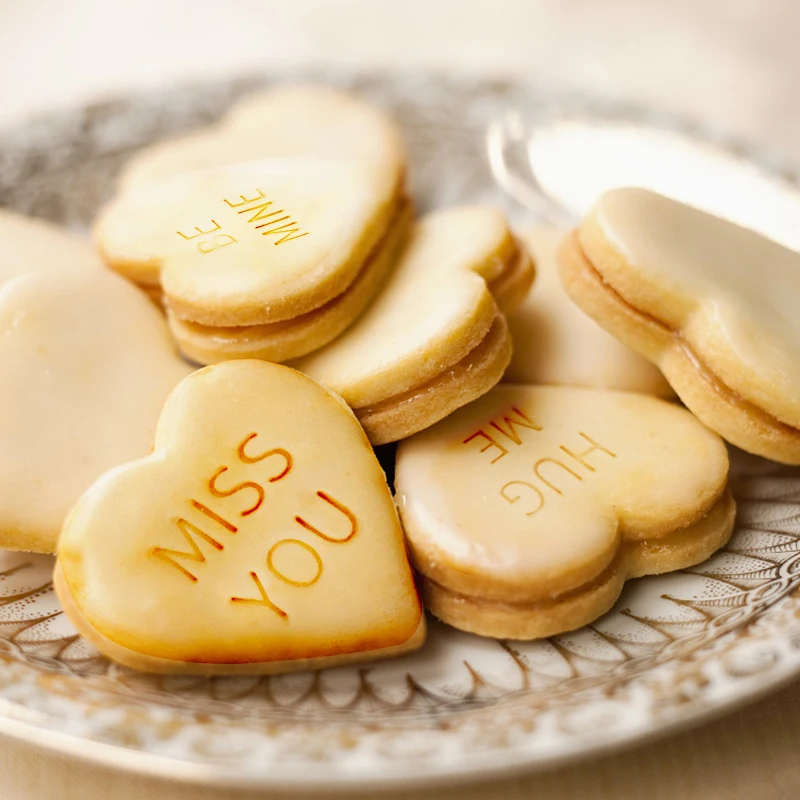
(251,243)
(33,245)
(728,291)
(261,529)
(530,492)
(556,343)
(436,307)
(286,121)
(86,362)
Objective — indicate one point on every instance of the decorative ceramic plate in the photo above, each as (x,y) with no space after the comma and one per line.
(675,648)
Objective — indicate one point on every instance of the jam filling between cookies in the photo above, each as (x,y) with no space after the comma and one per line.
(715,382)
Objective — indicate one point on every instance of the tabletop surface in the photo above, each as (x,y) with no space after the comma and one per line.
(731,63)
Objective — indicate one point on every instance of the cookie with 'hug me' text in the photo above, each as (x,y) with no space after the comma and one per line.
(527,510)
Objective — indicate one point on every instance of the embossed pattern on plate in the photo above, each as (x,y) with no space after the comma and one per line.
(674,649)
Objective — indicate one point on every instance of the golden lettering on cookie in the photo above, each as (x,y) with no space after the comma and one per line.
(435,337)
(527,510)
(259,536)
(86,363)
(711,303)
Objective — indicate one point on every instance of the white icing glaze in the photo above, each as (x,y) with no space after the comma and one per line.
(86,362)
(730,292)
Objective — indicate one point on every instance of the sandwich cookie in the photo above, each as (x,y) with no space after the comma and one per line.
(269,259)
(526,511)
(712,304)
(260,536)
(33,245)
(86,362)
(556,343)
(287,121)
(435,338)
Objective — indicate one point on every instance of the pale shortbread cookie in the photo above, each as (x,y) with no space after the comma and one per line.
(555,342)
(435,338)
(260,536)
(281,341)
(86,362)
(250,244)
(712,304)
(33,245)
(286,121)
(527,510)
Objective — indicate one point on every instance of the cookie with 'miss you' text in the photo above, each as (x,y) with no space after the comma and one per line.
(526,511)
(557,343)
(714,305)
(86,362)
(287,251)
(435,337)
(260,536)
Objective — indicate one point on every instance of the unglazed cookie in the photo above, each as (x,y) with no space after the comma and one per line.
(527,510)
(555,342)
(712,304)
(260,536)
(435,337)
(273,245)
(86,362)
(286,121)
(32,245)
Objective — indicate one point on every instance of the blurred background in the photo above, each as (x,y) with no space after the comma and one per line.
(734,63)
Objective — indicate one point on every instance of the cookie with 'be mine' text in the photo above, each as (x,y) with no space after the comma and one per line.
(288,251)
(712,304)
(557,343)
(435,338)
(527,510)
(260,536)
(86,363)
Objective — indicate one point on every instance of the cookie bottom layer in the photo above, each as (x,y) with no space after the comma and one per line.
(288,339)
(714,403)
(584,604)
(403,415)
(144,663)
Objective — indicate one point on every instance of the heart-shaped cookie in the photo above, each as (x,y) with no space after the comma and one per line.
(527,510)
(714,305)
(270,243)
(434,338)
(33,245)
(260,536)
(86,362)
(556,343)
(286,121)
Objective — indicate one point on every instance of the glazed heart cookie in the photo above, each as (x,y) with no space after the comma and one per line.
(86,363)
(260,536)
(32,245)
(287,246)
(712,304)
(287,121)
(435,337)
(527,510)
(555,342)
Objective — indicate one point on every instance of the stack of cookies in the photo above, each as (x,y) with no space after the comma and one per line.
(212,489)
